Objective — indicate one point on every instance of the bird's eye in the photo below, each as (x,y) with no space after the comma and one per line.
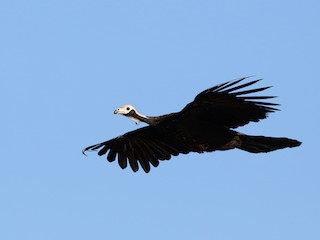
(128,108)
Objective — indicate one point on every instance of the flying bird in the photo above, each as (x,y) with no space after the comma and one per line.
(204,125)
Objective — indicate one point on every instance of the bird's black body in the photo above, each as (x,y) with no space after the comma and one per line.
(204,125)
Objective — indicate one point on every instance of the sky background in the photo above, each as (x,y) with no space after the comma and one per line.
(65,66)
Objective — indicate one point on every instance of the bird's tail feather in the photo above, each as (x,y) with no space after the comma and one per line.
(257,144)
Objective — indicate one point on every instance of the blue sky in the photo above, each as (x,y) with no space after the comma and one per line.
(66,65)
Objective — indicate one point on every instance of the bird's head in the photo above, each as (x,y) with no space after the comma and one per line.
(130,112)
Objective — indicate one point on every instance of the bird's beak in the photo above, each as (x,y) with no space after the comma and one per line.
(116,111)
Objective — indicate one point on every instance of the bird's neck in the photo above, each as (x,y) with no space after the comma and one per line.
(146,119)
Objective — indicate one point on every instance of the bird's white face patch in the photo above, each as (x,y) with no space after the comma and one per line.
(124,110)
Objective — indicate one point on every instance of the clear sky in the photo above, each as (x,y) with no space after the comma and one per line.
(66,65)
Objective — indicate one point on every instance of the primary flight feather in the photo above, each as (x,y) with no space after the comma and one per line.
(204,125)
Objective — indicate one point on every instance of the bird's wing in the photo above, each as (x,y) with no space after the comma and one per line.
(228,104)
(145,145)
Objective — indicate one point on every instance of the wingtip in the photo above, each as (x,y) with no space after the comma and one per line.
(250,76)
(84,152)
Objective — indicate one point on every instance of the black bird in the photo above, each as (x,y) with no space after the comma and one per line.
(204,125)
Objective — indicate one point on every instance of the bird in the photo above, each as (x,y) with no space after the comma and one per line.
(206,124)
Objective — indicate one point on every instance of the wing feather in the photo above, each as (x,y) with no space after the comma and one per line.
(159,153)
(133,158)
(229,105)
(249,91)
(112,153)
(152,156)
(143,156)
(242,85)
(122,156)
(140,147)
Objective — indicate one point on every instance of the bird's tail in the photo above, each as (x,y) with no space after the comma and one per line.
(257,144)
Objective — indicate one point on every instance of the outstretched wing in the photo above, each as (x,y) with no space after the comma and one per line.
(228,104)
(145,145)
